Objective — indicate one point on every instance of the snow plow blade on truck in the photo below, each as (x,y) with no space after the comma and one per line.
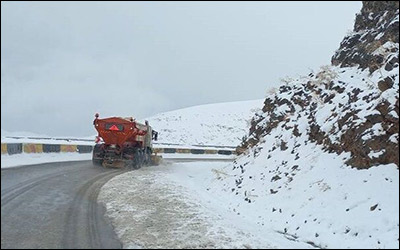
(124,143)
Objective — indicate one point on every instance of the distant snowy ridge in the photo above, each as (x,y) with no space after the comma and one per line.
(30,137)
(220,124)
(5,133)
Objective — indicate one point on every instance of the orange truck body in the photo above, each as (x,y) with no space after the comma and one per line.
(122,142)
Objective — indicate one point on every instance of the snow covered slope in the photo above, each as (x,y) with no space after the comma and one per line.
(221,124)
(320,163)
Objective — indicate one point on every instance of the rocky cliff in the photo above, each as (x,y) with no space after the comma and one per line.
(351,105)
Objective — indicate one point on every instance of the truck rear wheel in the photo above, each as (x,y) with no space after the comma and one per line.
(98,152)
(137,160)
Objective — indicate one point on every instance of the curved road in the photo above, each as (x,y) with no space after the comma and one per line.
(54,205)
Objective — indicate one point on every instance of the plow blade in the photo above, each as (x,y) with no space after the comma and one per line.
(113,164)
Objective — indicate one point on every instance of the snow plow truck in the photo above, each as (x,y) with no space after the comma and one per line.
(123,143)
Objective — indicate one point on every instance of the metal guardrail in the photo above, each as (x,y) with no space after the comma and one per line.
(159,147)
(92,140)
(197,145)
(17,148)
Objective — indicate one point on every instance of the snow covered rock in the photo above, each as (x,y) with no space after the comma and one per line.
(351,106)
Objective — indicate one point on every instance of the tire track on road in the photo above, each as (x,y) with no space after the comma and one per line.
(84,207)
(55,206)
(13,192)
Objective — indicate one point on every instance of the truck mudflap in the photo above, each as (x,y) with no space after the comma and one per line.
(155,160)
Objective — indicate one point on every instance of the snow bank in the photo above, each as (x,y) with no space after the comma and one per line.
(8,161)
(168,206)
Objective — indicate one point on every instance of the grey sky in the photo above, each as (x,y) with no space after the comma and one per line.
(63,61)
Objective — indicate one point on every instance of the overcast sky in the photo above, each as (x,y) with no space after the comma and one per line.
(61,62)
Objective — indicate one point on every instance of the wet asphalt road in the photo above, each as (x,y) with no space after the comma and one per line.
(54,205)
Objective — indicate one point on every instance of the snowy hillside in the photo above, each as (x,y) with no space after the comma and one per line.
(320,163)
(222,124)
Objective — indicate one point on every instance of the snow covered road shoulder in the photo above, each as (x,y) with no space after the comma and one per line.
(168,206)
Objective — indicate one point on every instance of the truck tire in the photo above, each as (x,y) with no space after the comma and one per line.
(97,150)
(137,160)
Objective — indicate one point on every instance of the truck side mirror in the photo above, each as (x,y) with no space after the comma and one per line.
(155,135)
